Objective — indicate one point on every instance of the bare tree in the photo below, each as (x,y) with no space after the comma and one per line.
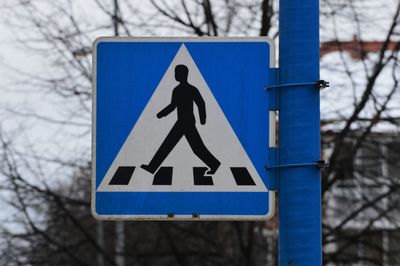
(361,136)
(48,219)
(48,195)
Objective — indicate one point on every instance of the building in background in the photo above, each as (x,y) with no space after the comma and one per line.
(362,208)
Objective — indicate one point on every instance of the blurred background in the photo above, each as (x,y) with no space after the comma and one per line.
(45,134)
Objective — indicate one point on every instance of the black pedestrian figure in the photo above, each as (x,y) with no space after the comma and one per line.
(183,97)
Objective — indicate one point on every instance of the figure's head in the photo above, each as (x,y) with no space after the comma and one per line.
(181,73)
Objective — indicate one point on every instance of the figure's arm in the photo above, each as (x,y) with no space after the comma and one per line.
(168,109)
(201,105)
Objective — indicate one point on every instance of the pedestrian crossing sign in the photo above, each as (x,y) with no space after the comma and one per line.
(181,128)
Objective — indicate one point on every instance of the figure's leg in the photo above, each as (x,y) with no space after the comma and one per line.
(198,147)
(166,147)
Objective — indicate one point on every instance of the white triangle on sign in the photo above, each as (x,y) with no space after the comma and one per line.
(149,132)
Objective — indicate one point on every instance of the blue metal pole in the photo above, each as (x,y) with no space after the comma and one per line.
(299,134)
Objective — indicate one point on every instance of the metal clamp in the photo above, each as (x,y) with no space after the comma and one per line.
(321,164)
(320,84)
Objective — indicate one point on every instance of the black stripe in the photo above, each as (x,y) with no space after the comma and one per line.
(122,175)
(163,176)
(242,176)
(200,178)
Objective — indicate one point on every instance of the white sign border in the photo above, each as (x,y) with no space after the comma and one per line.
(165,217)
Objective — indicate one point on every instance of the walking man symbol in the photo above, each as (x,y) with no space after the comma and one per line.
(183,97)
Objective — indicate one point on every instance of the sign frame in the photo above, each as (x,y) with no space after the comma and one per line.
(173,217)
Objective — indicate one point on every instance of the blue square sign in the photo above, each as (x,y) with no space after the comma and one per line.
(181,128)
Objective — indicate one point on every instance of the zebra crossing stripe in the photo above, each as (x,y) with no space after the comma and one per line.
(242,176)
(200,178)
(122,176)
(163,176)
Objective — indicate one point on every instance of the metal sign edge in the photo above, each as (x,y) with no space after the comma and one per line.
(271,195)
